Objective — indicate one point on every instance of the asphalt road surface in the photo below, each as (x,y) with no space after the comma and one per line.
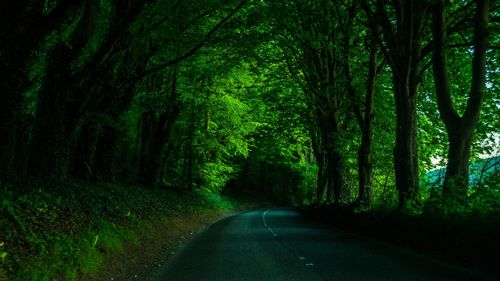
(280,245)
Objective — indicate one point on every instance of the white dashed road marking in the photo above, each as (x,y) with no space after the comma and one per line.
(264,222)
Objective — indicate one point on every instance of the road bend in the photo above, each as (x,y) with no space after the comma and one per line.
(281,245)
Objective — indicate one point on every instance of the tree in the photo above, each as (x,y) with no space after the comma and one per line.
(66,90)
(156,125)
(364,112)
(399,27)
(312,41)
(459,128)
(23,27)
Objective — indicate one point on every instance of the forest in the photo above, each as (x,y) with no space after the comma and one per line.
(339,104)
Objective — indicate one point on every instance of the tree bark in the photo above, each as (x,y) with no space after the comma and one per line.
(146,158)
(22,28)
(155,135)
(322,181)
(105,153)
(365,118)
(365,167)
(82,163)
(57,116)
(405,150)
(49,145)
(331,176)
(459,128)
(153,164)
(334,178)
(319,59)
(399,36)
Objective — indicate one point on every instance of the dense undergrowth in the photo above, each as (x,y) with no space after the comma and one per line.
(60,230)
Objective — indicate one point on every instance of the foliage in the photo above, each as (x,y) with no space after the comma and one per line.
(263,97)
(49,238)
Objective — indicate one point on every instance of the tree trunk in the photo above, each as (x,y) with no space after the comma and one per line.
(330,183)
(22,28)
(405,150)
(105,154)
(399,30)
(365,167)
(459,128)
(11,85)
(365,120)
(56,122)
(457,174)
(154,163)
(58,108)
(16,48)
(9,115)
(84,153)
(189,158)
(334,179)
(365,175)
(147,127)
(154,139)
(49,146)
(322,181)
(329,159)
(319,156)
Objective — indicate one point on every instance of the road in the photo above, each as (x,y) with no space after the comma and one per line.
(280,245)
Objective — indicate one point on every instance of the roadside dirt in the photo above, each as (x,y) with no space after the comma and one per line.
(157,244)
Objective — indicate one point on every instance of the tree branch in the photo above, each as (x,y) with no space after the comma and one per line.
(471,113)
(51,21)
(440,67)
(197,47)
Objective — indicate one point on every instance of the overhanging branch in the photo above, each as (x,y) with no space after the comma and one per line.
(196,48)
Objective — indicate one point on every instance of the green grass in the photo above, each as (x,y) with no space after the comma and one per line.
(60,230)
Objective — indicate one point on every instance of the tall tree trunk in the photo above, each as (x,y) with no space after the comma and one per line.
(320,61)
(365,167)
(322,180)
(457,175)
(330,177)
(105,154)
(459,128)
(189,158)
(12,83)
(57,115)
(49,146)
(405,150)
(16,48)
(153,166)
(57,120)
(10,108)
(400,35)
(365,118)
(334,178)
(365,174)
(155,135)
(330,182)
(147,131)
(319,154)
(22,27)
(82,162)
